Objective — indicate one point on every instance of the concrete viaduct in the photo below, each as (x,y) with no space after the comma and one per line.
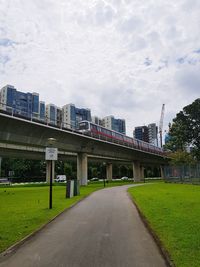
(27,139)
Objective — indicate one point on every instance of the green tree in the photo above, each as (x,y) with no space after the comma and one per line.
(68,170)
(94,172)
(182,158)
(23,167)
(185,129)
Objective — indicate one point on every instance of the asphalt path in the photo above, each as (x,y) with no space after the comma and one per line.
(103,230)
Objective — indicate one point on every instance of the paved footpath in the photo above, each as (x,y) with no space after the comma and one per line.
(103,230)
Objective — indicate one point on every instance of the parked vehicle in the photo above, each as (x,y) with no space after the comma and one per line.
(124,178)
(60,178)
(94,179)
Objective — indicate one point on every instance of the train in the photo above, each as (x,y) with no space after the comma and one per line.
(100,132)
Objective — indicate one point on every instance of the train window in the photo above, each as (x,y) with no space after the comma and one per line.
(108,132)
(129,139)
(83,125)
(93,127)
(119,136)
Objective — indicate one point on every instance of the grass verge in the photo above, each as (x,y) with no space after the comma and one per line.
(24,209)
(173,212)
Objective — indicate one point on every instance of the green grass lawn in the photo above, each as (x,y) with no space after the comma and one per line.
(173,212)
(23,209)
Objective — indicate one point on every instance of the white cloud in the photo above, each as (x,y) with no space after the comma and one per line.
(118,57)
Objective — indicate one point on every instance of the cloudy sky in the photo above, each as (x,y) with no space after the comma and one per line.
(117,57)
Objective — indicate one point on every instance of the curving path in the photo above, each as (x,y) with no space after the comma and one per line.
(103,230)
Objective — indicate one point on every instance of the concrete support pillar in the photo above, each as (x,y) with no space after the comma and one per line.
(137,171)
(162,174)
(0,165)
(142,172)
(48,170)
(82,168)
(109,171)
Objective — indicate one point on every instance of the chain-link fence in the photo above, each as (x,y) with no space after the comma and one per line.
(183,174)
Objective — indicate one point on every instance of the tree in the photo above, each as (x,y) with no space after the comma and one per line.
(181,158)
(23,167)
(185,129)
(68,170)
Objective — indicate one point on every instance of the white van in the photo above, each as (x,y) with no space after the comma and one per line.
(60,178)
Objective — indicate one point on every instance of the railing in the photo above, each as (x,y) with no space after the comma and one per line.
(20,113)
(31,116)
(183,174)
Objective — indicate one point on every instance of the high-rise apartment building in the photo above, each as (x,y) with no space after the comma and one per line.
(51,114)
(59,117)
(153,134)
(71,116)
(42,111)
(24,104)
(117,125)
(35,105)
(147,133)
(97,120)
(141,133)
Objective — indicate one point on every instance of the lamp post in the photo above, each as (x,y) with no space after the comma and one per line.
(0,166)
(51,155)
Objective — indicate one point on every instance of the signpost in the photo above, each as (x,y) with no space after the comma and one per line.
(51,154)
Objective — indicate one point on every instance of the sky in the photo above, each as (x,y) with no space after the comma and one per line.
(117,57)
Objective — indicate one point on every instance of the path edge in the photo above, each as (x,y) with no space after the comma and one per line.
(159,243)
(13,248)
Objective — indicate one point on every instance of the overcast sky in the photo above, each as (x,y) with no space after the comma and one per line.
(117,57)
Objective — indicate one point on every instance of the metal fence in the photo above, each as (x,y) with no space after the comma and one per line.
(182,174)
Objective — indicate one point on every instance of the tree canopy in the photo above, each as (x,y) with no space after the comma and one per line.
(185,130)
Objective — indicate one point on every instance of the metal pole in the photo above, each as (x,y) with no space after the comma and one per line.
(50,186)
(161,139)
(0,166)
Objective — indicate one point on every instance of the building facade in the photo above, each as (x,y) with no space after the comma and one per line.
(42,111)
(147,134)
(16,102)
(71,116)
(141,133)
(51,114)
(97,120)
(59,117)
(117,125)
(153,134)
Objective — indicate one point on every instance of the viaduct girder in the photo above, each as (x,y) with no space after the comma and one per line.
(32,137)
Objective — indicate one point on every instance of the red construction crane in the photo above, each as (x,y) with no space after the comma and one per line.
(161,123)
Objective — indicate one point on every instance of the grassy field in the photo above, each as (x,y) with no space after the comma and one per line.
(23,209)
(173,211)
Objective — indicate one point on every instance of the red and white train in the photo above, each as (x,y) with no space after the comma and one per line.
(97,131)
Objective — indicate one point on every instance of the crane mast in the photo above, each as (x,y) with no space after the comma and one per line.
(161,123)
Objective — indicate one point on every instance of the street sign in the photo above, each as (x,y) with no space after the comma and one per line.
(51,153)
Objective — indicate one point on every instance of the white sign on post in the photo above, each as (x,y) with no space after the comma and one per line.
(51,153)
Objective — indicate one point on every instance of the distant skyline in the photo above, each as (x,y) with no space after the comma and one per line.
(119,57)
